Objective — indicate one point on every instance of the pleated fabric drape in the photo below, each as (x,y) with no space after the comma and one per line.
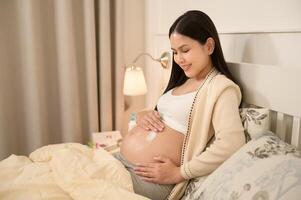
(57,73)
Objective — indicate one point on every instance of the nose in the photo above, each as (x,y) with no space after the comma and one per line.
(179,58)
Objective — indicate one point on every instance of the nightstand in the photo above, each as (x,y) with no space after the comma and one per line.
(109,140)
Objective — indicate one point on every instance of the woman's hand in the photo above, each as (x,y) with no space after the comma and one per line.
(162,171)
(150,120)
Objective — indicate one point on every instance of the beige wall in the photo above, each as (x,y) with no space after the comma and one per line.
(133,43)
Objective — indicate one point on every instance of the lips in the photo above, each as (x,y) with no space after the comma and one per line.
(185,67)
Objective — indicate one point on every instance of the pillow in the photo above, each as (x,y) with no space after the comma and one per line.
(255,121)
(264,168)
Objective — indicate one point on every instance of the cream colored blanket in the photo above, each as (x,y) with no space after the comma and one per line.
(65,171)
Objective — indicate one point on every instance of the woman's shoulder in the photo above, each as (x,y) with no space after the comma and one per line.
(220,82)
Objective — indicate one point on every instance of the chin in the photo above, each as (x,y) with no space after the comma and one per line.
(189,74)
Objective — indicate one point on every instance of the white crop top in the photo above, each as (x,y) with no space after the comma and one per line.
(175,109)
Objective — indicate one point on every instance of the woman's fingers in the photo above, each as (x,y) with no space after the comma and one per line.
(145,174)
(145,127)
(150,120)
(155,121)
(149,124)
(145,170)
(154,124)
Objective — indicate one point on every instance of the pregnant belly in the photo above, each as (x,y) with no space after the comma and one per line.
(136,148)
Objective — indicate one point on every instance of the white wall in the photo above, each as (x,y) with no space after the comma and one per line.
(258,32)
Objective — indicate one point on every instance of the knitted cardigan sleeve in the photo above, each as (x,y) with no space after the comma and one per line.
(229,136)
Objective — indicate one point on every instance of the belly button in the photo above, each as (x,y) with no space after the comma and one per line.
(151,136)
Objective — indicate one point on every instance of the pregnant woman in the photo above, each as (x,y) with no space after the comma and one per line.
(195,126)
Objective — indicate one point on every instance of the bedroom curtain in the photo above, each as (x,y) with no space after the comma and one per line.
(58,82)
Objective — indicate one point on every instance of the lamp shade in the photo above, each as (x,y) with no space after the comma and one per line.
(134,82)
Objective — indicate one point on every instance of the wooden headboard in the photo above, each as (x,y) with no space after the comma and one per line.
(275,88)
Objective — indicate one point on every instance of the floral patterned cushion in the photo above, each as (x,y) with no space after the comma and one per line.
(265,168)
(255,121)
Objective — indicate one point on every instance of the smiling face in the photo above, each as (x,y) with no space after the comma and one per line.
(193,57)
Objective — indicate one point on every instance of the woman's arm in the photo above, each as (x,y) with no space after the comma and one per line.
(229,136)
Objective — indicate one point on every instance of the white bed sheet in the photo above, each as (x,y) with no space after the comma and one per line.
(65,171)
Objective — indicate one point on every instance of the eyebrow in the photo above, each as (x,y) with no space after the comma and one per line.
(180,47)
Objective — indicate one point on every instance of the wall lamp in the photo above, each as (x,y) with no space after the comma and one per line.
(134,81)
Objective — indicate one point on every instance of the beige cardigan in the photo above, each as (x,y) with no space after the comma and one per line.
(214,113)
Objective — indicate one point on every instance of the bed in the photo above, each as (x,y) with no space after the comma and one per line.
(267,167)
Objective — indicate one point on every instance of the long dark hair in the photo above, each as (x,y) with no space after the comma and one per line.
(197,25)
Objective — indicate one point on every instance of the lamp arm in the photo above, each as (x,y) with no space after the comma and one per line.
(144,54)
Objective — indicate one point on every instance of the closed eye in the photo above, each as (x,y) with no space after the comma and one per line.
(183,51)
